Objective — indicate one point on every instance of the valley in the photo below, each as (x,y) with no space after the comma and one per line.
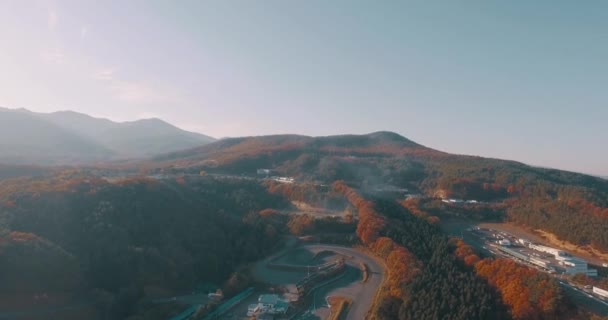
(143,237)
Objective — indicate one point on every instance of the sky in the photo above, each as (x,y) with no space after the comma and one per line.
(521,80)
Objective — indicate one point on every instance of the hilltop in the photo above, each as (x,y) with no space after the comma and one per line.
(154,228)
(554,200)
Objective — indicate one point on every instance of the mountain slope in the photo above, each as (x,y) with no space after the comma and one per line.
(70,137)
(295,154)
(553,200)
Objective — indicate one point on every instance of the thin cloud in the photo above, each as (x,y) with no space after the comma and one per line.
(52,19)
(134,92)
(54,56)
(84,30)
(105,74)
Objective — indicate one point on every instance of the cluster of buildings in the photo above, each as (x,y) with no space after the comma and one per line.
(268,305)
(267,173)
(570,264)
(552,259)
(459,201)
(283,179)
(601,292)
(264,172)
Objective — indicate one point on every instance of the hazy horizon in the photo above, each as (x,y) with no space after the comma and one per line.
(517,81)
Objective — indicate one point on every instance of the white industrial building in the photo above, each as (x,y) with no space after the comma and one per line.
(600,292)
(264,172)
(571,265)
(268,304)
(559,254)
(540,262)
(284,179)
(574,266)
(504,242)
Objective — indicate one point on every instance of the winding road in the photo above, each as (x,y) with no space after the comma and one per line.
(348,285)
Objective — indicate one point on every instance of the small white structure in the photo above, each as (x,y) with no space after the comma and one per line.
(263,172)
(575,265)
(452,200)
(252,310)
(504,242)
(600,292)
(284,179)
(214,296)
(559,254)
(268,304)
(540,262)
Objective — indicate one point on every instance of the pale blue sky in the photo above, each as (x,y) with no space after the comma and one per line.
(522,80)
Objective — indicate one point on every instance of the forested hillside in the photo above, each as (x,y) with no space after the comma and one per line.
(554,200)
(121,243)
(430,277)
(127,241)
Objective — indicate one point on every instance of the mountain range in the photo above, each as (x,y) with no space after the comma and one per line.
(193,211)
(68,137)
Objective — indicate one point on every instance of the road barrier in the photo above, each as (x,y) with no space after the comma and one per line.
(327,271)
(224,307)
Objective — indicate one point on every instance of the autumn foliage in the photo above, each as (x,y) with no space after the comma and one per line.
(370,223)
(402,265)
(529,293)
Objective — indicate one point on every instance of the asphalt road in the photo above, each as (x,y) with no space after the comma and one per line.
(362,294)
(348,284)
(580,297)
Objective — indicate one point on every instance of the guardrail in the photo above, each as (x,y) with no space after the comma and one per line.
(309,282)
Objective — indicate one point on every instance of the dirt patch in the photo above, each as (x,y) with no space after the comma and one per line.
(338,307)
(316,212)
(364,272)
(568,246)
(324,256)
(593,255)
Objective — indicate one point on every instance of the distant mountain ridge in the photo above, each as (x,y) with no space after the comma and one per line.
(279,150)
(68,137)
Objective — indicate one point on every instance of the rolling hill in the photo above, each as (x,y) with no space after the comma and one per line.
(68,137)
(129,239)
(554,200)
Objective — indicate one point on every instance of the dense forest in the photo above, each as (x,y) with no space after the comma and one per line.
(431,277)
(425,280)
(530,293)
(123,243)
(446,289)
